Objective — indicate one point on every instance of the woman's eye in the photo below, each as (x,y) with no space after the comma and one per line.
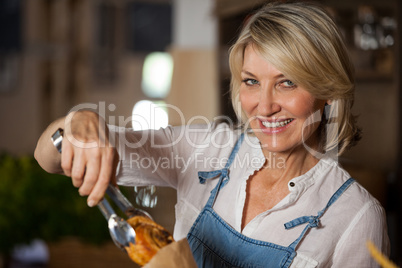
(288,83)
(250,82)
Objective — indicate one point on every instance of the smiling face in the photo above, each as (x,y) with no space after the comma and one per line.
(279,112)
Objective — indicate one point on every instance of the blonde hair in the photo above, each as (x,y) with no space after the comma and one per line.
(303,42)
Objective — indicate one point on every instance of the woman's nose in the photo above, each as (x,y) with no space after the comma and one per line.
(268,104)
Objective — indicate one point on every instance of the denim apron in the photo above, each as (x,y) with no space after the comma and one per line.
(214,243)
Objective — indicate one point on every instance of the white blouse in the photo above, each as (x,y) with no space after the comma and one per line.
(174,156)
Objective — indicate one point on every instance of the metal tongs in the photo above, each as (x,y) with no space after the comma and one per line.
(120,231)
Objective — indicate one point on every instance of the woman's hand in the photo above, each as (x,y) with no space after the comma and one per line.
(88,156)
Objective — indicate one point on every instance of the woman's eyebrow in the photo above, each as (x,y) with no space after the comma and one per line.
(247,73)
(280,75)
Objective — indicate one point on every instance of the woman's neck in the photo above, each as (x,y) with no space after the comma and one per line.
(284,166)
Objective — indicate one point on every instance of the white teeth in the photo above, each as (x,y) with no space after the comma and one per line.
(277,124)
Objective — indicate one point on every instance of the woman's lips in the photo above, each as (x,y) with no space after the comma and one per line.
(276,126)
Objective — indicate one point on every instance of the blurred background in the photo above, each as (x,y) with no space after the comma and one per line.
(134,61)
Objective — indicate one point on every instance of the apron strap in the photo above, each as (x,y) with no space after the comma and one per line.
(222,173)
(314,221)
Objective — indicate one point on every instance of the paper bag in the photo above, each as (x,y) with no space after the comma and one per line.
(176,254)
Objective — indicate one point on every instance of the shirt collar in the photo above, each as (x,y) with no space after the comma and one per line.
(298,185)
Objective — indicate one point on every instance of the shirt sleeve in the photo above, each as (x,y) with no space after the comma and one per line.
(158,157)
(146,157)
(369,224)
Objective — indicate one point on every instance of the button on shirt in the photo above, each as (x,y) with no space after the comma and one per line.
(174,156)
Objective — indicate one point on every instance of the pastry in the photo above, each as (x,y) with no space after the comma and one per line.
(149,238)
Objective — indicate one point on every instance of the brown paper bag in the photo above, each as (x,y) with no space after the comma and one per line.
(176,254)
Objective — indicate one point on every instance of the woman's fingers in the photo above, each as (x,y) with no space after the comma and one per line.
(93,165)
(105,176)
(67,157)
(92,170)
(78,170)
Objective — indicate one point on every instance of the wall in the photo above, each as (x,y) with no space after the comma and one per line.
(376,108)
(195,82)
(20,107)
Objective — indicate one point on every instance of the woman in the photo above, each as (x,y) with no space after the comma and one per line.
(270,194)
